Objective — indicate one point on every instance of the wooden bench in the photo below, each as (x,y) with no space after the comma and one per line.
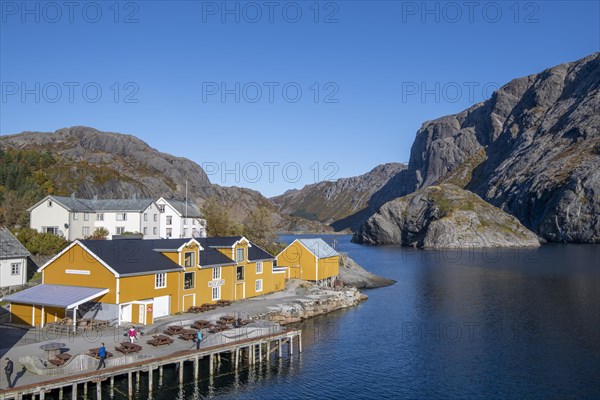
(127,348)
(94,353)
(60,359)
(159,340)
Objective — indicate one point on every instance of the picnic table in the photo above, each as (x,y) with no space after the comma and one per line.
(127,348)
(94,353)
(174,329)
(242,322)
(201,324)
(188,334)
(218,328)
(60,359)
(52,349)
(228,319)
(159,340)
(223,303)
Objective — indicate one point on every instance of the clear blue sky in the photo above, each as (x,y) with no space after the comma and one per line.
(382,68)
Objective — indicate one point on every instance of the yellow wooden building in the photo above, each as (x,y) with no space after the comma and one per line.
(137,281)
(311,260)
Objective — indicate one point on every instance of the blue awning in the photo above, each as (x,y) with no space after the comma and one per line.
(61,296)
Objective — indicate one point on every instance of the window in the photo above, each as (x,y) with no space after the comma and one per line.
(155,217)
(121,216)
(15,269)
(145,216)
(259,268)
(161,208)
(75,216)
(195,222)
(189,259)
(100,217)
(49,203)
(154,230)
(145,230)
(239,255)
(85,231)
(86,217)
(240,273)
(169,220)
(216,273)
(185,232)
(188,280)
(50,229)
(120,230)
(169,232)
(259,285)
(216,293)
(160,281)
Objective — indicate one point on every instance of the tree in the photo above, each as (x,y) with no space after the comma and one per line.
(99,234)
(45,244)
(218,220)
(258,226)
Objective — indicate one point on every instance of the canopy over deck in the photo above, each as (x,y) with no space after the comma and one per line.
(61,296)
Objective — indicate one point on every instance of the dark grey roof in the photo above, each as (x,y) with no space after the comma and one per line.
(219,241)
(102,205)
(211,257)
(256,253)
(62,296)
(179,205)
(136,256)
(10,247)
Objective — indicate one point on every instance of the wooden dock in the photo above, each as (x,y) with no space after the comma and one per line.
(253,350)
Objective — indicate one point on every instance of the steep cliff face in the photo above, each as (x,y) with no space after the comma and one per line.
(532,150)
(330,201)
(89,162)
(444,216)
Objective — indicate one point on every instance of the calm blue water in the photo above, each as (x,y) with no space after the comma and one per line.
(477,325)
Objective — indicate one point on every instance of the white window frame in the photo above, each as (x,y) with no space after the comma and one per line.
(216,274)
(193,263)
(169,220)
(161,208)
(216,290)
(85,230)
(75,216)
(155,217)
(160,280)
(100,217)
(154,231)
(86,216)
(50,229)
(49,203)
(169,232)
(145,230)
(259,282)
(119,230)
(193,280)
(145,216)
(259,267)
(121,216)
(237,257)
(16,266)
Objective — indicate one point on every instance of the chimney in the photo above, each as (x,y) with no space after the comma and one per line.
(134,197)
(72,195)
(95,197)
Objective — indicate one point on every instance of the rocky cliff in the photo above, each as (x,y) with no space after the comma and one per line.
(444,216)
(330,201)
(89,162)
(353,275)
(532,149)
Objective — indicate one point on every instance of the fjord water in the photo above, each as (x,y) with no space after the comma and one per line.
(506,324)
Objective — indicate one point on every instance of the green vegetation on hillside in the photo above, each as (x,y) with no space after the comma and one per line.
(45,244)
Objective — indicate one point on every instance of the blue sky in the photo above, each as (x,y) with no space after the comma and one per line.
(279,94)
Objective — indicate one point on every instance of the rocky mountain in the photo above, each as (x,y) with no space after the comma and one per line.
(532,150)
(89,162)
(330,201)
(356,276)
(444,216)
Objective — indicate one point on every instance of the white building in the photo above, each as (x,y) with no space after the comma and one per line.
(14,259)
(76,218)
(179,219)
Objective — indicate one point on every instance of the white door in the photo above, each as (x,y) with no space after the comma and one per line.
(162,306)
(126,313)
(142,314)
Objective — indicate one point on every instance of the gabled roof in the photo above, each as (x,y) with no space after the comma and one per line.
(135,256)
(256,253)
(213,258)
(97,205)
(61,296)
(10,247)
(221,241)
(318,247)
(192,210)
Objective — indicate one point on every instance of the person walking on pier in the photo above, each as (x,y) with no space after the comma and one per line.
(132,334)
(198,338)
(8,369)
(102,356)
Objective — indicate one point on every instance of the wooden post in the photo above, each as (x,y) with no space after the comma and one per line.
(279,349)
(98,390)
(260,346)
(150,383)
(60,393)
(137,378)
(268,350)
(291,340)
(237,357)
(196,367)
(129,384)
(112,386)
(160,375)
(42,394)
(211,364)
(300,342)
(85,390)
(181,372)
(74,392)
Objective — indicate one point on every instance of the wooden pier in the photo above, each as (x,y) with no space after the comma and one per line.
(254,350)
